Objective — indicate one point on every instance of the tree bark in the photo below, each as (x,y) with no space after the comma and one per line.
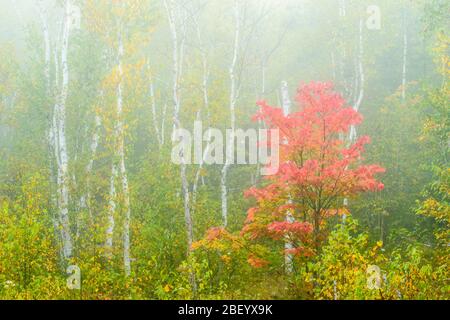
(122,167)
(205,96)
(177,59)
(233,99)
(61,154)
(111,211)
(289,259)
(361,82)
(154,116)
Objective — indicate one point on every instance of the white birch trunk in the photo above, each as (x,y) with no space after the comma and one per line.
(289,259)
(154,116)
(111,211)
(126,224)
(94,144)
(233,98)
(163,124)
(205,95)
(361,84)
(86,197)
(43,15)
(122,167)
(177,56)
(61,145)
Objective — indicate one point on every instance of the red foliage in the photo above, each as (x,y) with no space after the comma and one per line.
(300,252)
(280,229)
(257,262)
(318,167)
(215,233)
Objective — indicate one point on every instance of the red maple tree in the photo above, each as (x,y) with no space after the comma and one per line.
(319,168)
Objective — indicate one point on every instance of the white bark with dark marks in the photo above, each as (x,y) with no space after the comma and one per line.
(59,132)
(233,100)
(289,259)
(177,24)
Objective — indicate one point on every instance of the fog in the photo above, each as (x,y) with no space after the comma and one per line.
(167,149)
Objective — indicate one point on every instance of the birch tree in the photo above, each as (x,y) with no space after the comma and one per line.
(232,105)
(118,166)
(177,18)
(177,24)
(154,115)
(115,23)
(205,75)
(57,132)
(360,80)
(288,246)
(123,171)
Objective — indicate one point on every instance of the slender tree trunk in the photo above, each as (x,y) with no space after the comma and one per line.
(86,197)
(84,203)
(43,15)
(178,56)
(233,99)
(289,259)
(316,231)
(61,154)
(122,167)
(262,95)
(154,116)
(163,124)
(111,211)
(205,95)
(361,82)
(178,42)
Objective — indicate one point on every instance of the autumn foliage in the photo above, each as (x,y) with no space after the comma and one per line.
(319,168)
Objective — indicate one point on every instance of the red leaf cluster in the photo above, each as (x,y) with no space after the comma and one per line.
(318,165)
